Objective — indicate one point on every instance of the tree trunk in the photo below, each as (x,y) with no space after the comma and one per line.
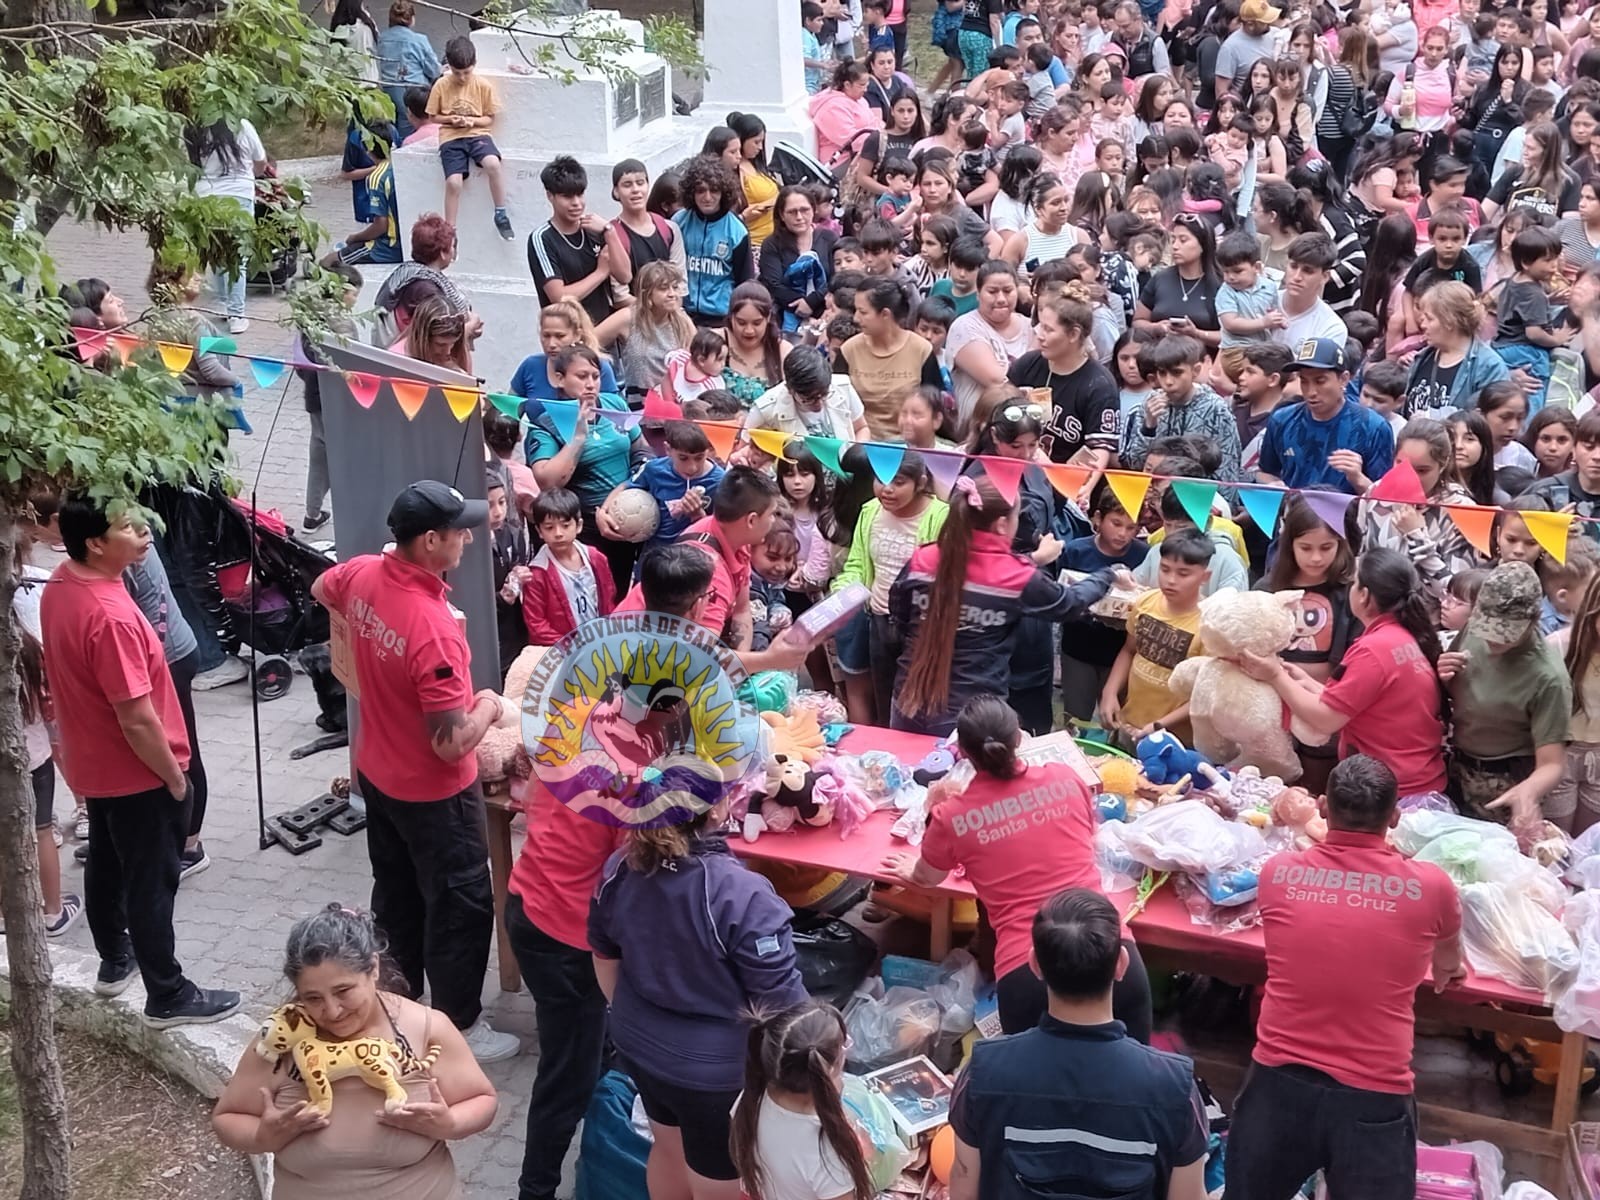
(45,1138)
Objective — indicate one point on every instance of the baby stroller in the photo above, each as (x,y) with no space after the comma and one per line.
(266,590)
(273,203)
(792,165)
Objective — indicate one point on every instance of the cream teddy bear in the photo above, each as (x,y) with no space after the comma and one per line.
(1236,720)
(498,752)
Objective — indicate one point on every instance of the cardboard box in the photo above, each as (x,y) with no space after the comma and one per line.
(1582,1138)
(342,653)
(1059,747)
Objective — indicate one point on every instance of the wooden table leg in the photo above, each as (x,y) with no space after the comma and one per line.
(1569,1077)
(499,836)
(939,927)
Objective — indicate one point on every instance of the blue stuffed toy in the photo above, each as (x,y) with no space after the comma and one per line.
(1164,759)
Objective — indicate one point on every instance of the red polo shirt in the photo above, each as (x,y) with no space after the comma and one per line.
(1350,928)
(411,659)
(102,652)
(560,866)
(730,576)
(1388,689)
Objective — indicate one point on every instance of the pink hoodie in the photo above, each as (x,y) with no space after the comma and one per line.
(838,120)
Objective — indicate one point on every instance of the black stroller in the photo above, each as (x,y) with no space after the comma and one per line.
(793,165)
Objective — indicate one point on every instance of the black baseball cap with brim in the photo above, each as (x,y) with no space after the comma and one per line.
(428,505)
(1320,354)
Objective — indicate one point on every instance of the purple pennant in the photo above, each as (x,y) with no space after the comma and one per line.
(945,467)
(298,359)
(624,421)
(1330,506)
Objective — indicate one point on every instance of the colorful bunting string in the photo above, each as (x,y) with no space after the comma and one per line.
(774,442)
(1551,530)
(175,357)
(1130,488)
(1005,474)
(1477,526)
(1330,507)
(723,435)
(885,459)
(1263,505)
(463,402)
(364,388)
(409,395)
(1196,496)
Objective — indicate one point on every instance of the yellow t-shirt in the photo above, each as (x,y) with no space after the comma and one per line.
(1161,641)
(758,189)
(462,96)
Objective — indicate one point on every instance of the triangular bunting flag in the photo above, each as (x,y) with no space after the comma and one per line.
(462,401)
(124,344)
(826,450)
(1329,506)
(297,356)
(770,441)
(658,408)
(409,395)
(1550,530)
(885,459)
(266,370)
(1262,504)
(564,416)
(945,469)
(624,421)
(1196,496)
(218,345)
(91,342)
(1400,485)
(175,357)
(1066,479)
(1476,524)
(511,406)
(724,437)
(364,387)
(1129,488)
(1005,474)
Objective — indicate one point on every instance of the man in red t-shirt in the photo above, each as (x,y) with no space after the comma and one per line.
(417,773)
(1352,929)
(124,749)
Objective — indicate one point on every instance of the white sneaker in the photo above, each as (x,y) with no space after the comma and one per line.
(231,670)
(80,825)
(238,324)
(489,1045)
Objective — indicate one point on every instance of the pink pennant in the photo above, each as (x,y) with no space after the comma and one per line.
(91,342)
(1005,474)
(1400,485)
(364,387)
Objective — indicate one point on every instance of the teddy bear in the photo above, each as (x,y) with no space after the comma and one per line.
(501,754)
(1237,720)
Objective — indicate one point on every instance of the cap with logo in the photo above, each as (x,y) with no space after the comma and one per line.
(1507,605)
(428,505)
(1320,354)
(1259,10)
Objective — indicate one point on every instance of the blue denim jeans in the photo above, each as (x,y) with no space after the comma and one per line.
(230,289)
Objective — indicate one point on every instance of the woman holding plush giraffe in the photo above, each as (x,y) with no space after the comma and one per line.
(349,1034)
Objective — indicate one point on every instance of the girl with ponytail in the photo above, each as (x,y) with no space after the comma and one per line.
(1384,698)
(958,603)
(792,1139)
(1015,867)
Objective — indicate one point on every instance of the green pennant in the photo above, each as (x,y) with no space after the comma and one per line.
(827,450)
(1196,496)
(218,345)
(511,406)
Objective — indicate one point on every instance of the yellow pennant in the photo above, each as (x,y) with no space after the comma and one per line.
(770,441)
(463,402)
(176,358)
(1550,530)
(1129,487)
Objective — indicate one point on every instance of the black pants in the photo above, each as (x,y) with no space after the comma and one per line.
(431,895)
(129,883)
(183,672)
(883,650)
(1023,999)
(1035,707)
(571,1014)
(1290,1122)
(620,556)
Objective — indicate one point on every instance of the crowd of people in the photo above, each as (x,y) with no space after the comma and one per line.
(1213,242)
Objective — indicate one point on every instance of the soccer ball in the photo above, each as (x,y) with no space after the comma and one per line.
(634,514)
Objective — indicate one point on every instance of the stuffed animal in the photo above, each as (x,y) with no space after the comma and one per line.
(789,797)
(382,1063)
(501,754)
(1236,720)
(796,736)
(1168,763)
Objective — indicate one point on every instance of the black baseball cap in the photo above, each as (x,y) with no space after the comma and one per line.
(429,505)
(1320,354)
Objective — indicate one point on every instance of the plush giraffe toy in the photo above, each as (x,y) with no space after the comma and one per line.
(380,1062)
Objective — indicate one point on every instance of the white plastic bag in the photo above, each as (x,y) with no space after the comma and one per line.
(1583,868)
(1118,870)
(1189,836)
(1576,1007)
(957,991)
(902,1024)
(1523,1190)
(1418,828)
(1509,936)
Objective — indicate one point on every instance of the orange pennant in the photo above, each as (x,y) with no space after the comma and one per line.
(724,436)
(463,402)
(1550,530)
(125,344)
(1066,479)
(409,395)
(1129,487)
(1476,524)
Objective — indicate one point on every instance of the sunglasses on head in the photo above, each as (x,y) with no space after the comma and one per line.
(1016,412)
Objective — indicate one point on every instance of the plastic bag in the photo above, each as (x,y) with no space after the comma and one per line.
(1118,870)
(1188,836)
(1491,1167)
(1483,852)
(957,991)
(1509,936)
(1523,1190)
(886,1151)
(902,1024)
(1576,1007)
(1418,828)
(1583,868)
(1225,918)
(833,956)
